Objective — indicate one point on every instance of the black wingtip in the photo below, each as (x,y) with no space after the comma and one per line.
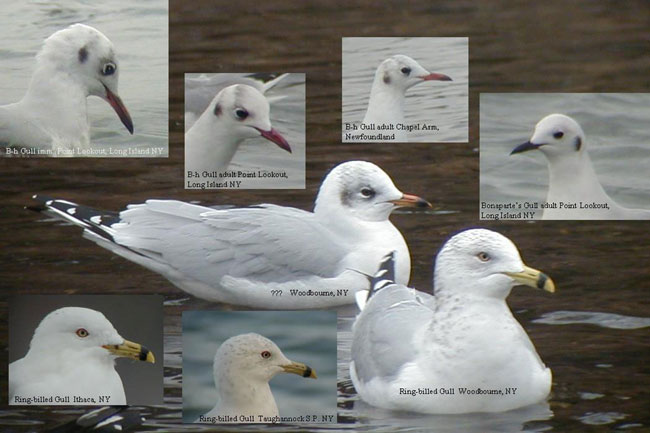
(385,275)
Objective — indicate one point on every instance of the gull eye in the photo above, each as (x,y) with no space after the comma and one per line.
(483,256)
(241,113)
(81,332)
(406,70)
(266,354)
(108,68)
(367,192)
(558,134)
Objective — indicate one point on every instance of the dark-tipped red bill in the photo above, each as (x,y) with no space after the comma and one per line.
(435,76)
(120,109)
(275,137)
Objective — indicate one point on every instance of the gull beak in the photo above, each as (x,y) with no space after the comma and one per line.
(523,147)
(275,137)
(437,77)
(300,369)
(119,108)
(410,200)
(533,278)
(129,349)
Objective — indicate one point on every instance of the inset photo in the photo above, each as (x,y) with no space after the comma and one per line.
(564,156)
(267,367)
(245,131)
(405,89)
(85,350)
(80,80)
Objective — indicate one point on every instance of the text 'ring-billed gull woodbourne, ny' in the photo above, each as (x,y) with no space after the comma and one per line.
(71,361)
(243,366)
(458,351)
(393,78)
(74,63)
(572,178)
(264,256)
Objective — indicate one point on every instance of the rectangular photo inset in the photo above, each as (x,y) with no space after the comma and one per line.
(80,350)
(405,89)
(564,156)
(245,131)
(86,82)
(246,367)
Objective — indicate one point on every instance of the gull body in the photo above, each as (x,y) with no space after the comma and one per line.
(74,63)
(572,178)
(463,337)
(256,255)
(72,354)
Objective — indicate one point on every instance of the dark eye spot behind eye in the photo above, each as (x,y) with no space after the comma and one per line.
(217,110)
(558,134)
(386,78)
(241,113)
(578,143)
(406,70)
(83,54)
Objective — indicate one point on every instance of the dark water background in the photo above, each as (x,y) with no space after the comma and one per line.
(551,46)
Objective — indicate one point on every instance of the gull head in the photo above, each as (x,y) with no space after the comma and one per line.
(243,112)
(83,54)
(556,136)
(401,72)
(80,333)
(484,264)
(252,357)
(363,190)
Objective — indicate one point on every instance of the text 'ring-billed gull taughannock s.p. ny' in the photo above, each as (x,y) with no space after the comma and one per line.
(243,366)
(572,179)
(264,256)
(71,361)
(74,63)
(458,351)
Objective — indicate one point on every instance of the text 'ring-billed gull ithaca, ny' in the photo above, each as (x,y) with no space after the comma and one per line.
(572,179)
(243,366)
(459,351)
(74,63)
(264,256)
(71,361)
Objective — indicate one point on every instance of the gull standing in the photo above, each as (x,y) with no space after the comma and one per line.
(74,63)
(72,354)
(572,178)
(393,78)
(263,256)
(243,366)
(459,351)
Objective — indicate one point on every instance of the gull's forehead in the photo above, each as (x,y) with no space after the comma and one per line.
(480,239)
(355,171)
(246,344)
(555,122)
(244,96)
(78,42)
(71,318)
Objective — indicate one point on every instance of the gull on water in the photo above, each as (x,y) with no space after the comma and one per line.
(458,351)
(243,366)
(236,113)
(264,256)
(572,178)
(74,63)
(393,78)
(72,355)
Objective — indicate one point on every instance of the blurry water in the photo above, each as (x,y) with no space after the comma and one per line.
(139,33)
(440,103)
(616,129)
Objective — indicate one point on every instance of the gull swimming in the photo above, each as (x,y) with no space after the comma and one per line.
(458,351)
(236,113)
(393,78)
(572,179)
(243,366)
(71,361)
(263,256)
(74,63)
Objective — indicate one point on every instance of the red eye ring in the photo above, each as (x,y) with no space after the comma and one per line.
(81,332)
(266,354)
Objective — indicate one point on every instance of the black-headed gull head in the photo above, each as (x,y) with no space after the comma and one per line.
(363,190)
(484,264)
(86,56)
(401,72)
(556,136)
(243,112)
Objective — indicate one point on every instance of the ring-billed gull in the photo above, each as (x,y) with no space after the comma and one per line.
(243,366)
(71,361)
(74,63)
(393,78)
(459,351)
(236,113)
(263,256)
(574,191)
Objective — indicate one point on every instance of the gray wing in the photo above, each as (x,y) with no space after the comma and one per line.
(383,333)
